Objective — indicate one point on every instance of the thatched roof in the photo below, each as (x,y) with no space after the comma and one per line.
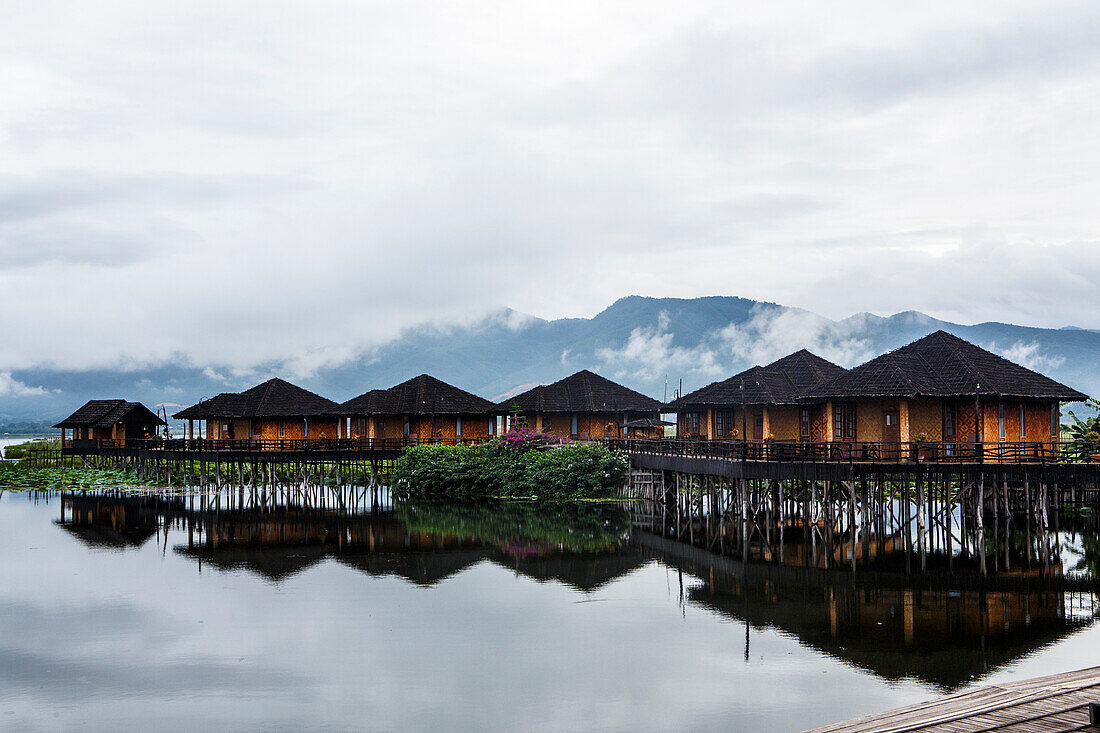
(584,391)
(273,398)
(780,383)
(105,413)
(942,365)
(422,395)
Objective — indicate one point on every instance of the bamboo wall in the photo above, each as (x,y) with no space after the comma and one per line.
(783,422)
(926,416)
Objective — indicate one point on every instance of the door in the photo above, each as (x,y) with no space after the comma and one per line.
(891,423)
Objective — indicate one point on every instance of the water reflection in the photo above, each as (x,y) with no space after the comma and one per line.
(943,629)
(582,546)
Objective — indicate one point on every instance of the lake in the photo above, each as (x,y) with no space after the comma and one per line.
(133,613)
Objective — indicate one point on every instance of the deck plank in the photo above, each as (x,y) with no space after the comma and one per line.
(1052,703)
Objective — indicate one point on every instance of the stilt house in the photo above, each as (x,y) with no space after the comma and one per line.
(116,420)
(759,402)
(941,388)
(272,411)
(582,406)
(422,409)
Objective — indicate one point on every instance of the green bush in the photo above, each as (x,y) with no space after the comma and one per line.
(496,470)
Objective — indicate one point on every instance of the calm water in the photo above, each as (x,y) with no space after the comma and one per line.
(140,614)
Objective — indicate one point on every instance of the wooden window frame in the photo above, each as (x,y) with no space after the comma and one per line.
(805,422)
(844,421)
(950,421)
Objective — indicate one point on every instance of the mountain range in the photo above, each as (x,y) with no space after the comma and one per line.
(655,345)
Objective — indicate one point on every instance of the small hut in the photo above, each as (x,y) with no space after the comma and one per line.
(421,409)
(273,411)
(113,420)
(759,402)
(583,406)
(647,428)
(941,388)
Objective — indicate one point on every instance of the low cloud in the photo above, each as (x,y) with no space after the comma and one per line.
(649,352)
(772,333)
(12,387)
(1030,355)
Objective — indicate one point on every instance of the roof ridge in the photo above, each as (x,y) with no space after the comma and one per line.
(954,346)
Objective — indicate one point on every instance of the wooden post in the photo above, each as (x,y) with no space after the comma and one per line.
(980,517)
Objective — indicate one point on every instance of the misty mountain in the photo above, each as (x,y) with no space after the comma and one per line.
(637,341)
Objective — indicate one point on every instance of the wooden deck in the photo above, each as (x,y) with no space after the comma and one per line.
(1048,704)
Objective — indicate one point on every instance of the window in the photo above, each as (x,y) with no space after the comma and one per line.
(1001,420)
(305,428)
(720,427)
(891,419)
(844,421)
(804,422)
(949,420)
(405,428)
(1023,422)
(492,426)
(758,425)
(690,420)
(458,427)
(282,429)
(380,428)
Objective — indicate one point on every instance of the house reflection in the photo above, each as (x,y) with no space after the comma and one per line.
(109,523)
(424,548)
(946,636)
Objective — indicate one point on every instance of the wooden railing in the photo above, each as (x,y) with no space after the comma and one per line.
(775,451)
(258,444)
(869,452)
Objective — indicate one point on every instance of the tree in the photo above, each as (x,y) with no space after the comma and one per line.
(1085,433)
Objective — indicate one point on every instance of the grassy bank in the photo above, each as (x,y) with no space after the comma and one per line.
(20,450)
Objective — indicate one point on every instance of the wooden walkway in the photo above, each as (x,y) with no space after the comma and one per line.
(1058,703)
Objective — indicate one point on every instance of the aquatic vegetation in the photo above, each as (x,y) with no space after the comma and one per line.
(499,469)
(19,477)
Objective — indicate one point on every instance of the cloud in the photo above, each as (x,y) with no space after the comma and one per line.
(1030,355)
(772,333)
(649,353)
(307,183)
(11,387)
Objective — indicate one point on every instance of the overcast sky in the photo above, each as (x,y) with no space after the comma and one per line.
(237,181)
